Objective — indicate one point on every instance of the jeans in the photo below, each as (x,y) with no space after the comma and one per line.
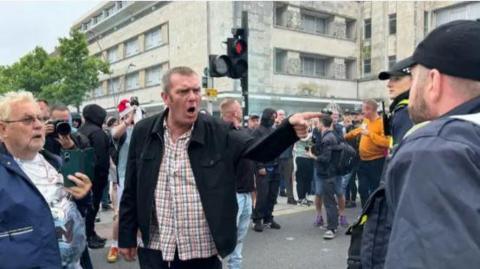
(328,196)
(244,200)
(369,175)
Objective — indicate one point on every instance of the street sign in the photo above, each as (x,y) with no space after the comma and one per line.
(212,92)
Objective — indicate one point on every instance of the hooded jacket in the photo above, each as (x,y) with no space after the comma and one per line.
(94,117)
(266,128)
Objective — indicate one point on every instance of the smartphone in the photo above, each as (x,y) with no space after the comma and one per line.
(77,160)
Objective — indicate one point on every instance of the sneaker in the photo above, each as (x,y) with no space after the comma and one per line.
(343,221)
(304,202)
(95,244)
(329,235)
(273,225)
(291,202)
(283,193)
(112,255)
(258,227)
(98,238)
(318,221)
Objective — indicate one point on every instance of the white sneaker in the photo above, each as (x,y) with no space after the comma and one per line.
(329,234)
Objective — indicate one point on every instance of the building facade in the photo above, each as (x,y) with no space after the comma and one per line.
(302,55)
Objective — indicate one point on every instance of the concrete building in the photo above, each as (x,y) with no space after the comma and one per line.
(302,55)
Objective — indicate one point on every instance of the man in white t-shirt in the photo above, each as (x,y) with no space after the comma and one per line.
(44,227)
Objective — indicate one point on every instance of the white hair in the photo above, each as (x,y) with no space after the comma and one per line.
(9,98)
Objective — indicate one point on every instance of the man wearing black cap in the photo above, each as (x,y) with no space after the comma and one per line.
(433,178)
(397,122)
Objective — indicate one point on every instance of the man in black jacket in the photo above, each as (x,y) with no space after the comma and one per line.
(327,182)
(94,117)
(267,178)
(231,112)
(180,180)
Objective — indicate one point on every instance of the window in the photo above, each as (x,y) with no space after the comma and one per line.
(114,85)
(98,91)
(312,66)
(367,66)
(111,10)
(391,61)
(97,18)
(112,54)
(153,38)
(280,15)
(153,75)
(313,24)
(425,22)
(368,28)
(350,69)
(392,23)
(280,61)
(132,81)
(351,29)
(131,47)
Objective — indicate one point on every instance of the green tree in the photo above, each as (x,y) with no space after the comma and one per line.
(64,77)
(79,71)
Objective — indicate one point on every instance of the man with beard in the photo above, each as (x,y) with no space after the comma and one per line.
(432,180)
(397,122)
(267,178)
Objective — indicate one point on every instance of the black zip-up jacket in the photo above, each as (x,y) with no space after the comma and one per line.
(245,174)
(215,150)
(400,121)
(324,150)
(94,116)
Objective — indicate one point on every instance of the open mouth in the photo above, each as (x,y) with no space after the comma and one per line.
(191,110)
(37,136)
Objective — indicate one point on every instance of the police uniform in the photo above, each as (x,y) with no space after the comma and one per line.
(432,182)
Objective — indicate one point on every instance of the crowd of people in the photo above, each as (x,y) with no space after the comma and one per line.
(186,186)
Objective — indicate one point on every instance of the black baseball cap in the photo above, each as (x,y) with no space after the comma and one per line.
(399,69)
(453,49)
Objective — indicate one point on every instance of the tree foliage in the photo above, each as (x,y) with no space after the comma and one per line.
(65,76)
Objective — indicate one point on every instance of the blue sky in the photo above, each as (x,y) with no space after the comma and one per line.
(26,24)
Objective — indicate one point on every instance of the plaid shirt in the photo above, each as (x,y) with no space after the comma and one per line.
(178,220)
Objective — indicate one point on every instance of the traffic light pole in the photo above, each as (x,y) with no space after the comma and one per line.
(244,79)
(244,85)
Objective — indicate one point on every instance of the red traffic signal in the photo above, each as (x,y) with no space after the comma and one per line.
(240,47)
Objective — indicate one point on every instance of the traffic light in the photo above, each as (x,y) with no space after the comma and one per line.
(235,63)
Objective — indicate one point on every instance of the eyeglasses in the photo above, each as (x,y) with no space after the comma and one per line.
(28,120)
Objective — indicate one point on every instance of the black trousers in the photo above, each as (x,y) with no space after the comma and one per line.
(98,185)
(304,176)
(152,259)
(351,191)
(267,193)
(286,171)
(369,175)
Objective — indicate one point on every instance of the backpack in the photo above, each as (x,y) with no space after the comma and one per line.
(345,158)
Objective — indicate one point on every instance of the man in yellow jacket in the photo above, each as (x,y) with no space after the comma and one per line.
(373,149)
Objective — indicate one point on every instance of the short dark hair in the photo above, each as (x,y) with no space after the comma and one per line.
(59,108)
(182,70)
(111,121)
(42,101)
(326,120)
(253,117)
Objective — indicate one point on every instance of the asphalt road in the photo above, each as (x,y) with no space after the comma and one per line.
(298,245)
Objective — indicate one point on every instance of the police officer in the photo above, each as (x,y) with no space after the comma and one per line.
(397,122)
(433,178)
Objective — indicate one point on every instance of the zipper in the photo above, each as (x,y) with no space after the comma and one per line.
(16,232)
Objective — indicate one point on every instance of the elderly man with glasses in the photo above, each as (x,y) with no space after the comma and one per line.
(40,225)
